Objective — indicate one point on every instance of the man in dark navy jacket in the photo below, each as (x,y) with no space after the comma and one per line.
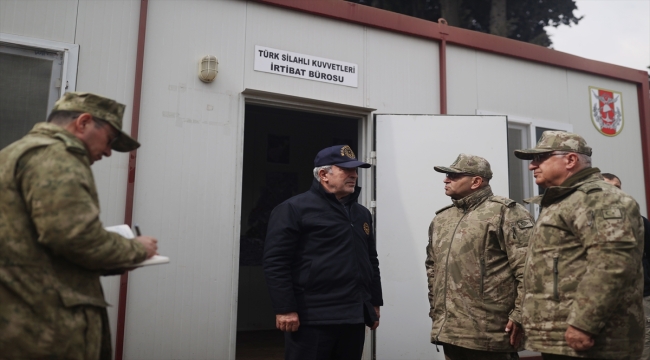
(320,263)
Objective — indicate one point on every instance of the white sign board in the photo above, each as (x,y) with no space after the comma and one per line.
(282,62)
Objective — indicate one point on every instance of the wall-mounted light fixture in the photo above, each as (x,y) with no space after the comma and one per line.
(208,68)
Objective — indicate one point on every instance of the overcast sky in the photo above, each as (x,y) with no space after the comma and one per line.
(613,31)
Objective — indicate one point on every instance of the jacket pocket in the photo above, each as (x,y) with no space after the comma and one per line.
(556,294)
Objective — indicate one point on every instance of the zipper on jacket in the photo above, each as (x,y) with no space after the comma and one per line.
(482,260)
(444,300)
(528,252)
(556,295)
(348,212)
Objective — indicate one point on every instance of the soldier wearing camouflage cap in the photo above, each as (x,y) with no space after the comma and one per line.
(53,247)
(474,264)
(583,274)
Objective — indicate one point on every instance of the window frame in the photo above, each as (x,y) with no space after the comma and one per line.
(70,56)
(531,124)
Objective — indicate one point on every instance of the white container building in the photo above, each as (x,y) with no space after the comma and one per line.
(295,76)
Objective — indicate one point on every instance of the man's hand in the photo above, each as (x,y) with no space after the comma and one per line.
(516,333)
(288,322)
(376,324)
(577,339)
(150,244)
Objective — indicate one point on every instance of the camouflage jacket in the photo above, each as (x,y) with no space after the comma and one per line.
(53,246)
(475,259)
(583,269)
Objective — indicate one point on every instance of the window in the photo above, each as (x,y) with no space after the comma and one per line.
(34,73)
(523,133)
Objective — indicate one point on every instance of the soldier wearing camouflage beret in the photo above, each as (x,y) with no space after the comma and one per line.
(53,247)
(475,260)
(583,276)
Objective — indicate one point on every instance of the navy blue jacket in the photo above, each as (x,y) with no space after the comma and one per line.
(320,259)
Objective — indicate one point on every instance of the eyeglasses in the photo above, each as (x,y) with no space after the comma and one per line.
(539,158)
(455,176)
(112,135)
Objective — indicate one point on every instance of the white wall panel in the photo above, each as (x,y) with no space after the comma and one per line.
(43,19)
(462,88)
(107,36)
(521,87)
(621,154)
(307,34)
(402,73)
(186,182)
(479,80)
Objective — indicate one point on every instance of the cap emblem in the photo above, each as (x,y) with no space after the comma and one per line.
(347,151)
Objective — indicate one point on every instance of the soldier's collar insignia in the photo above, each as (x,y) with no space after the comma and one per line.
(523,224)
(612,213)
(347,151)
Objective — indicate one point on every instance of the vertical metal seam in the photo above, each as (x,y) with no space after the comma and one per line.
(443,75)
(130,182)
(643,96)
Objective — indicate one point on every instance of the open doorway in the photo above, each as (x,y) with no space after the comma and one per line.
(279,150)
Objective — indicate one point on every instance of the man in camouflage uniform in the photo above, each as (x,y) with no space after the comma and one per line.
(614,180)
(475,259)
(53,247)
(583,275)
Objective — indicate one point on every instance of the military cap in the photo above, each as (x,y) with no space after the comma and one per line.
(468,164)
(101,108)
(339,155)
(552,140)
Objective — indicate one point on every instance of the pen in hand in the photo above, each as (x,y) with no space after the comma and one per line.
(149,242)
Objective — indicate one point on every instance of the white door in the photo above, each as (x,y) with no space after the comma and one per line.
(409,192)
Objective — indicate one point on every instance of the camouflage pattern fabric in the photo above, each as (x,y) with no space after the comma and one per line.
(475,260)
(583,269)
(468,164)
(554,140)
(101,108)
(53,249)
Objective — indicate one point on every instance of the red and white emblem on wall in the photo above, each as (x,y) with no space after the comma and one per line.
(606,110)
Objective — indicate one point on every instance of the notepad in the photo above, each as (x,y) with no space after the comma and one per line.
(125,230)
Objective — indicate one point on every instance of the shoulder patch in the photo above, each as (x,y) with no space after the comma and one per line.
(612,213)
(502,200)
(70,145)
(444,208)
(534,200)
(525,223)
(590,187)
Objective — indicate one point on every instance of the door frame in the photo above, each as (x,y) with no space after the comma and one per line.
(364,151)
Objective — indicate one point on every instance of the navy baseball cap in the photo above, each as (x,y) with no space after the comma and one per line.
(339,155)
